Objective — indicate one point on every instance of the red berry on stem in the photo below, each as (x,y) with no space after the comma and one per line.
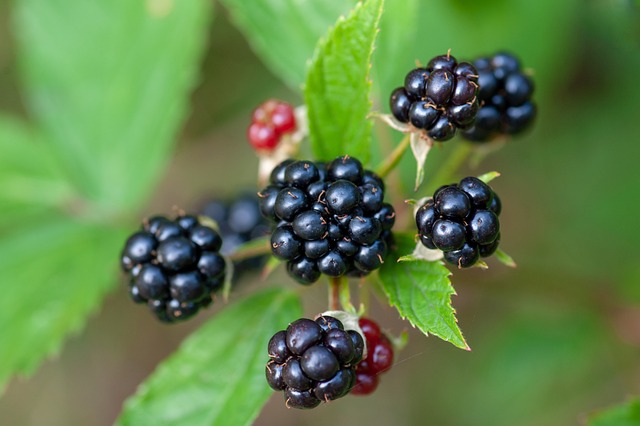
(381,357)
(366,383)
(371,330)
(262,136)
(283,118)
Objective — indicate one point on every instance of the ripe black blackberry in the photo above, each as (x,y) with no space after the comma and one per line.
(439,98)
(505,94)
(462,221)
(328,218)
(174,266)
(313,361)
(239,221)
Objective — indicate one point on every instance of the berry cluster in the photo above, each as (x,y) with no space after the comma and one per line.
(313,361)
(269,121)
(505,98)
(174,266)
(330,219)
(379,358)
(462,221)
(439,98)
(239,221)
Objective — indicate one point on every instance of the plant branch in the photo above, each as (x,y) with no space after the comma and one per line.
(394,158)
(448,169)
(335,284)
(255,248)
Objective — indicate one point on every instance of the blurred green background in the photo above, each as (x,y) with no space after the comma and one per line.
(552,341)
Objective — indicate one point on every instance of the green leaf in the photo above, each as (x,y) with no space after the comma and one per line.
(109,84)
(286,46)
(627,414)
(337,86)
(30,181)
(505,259)
(217,375)
(421,291)
(398,28)
(488,177)
(55,272)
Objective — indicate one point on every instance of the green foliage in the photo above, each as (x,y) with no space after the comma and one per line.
(285,48)
(421,291)
(56,271)
(107,83)
(627,414)
(217,375)
(337,86)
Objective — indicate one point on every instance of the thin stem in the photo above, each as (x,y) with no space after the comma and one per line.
(334,293)
(394,158)
(255,248)
(448,169)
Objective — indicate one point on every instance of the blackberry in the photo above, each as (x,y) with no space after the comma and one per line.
(379,358)
(327,219)
(462,221)
(438,99)
(174,266)
(505,98)
(240,220)
(313,361)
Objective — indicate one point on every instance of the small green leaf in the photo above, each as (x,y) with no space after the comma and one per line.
(421,291)
(217,376)
(488,177)
(627,414)
(287,46)
(109,82)
(337,86)
(505,259)
(55,272)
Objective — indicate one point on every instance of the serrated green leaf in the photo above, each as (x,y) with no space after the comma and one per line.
(337,86)
(109,82)
(627,414)
(287,46)
(217,375)
(55,272)
(421,291)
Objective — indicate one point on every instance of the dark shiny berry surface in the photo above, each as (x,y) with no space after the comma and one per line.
(464,257)
(309,225)
(319,363)
(346,168)
(139,247)
(399,103)
(442,130)
(423,114)
(342,196)
(448,235)
(484,226)
(289,202)
(452,203)
(301,173)
(415,82)
(478,192)
(301,334)
(177,253)
(440,86)
(285,244)
(303,270)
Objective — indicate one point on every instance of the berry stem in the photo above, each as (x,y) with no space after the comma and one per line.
(394,158)
(335,284)
(255,248)
(345,298)
(447,170)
